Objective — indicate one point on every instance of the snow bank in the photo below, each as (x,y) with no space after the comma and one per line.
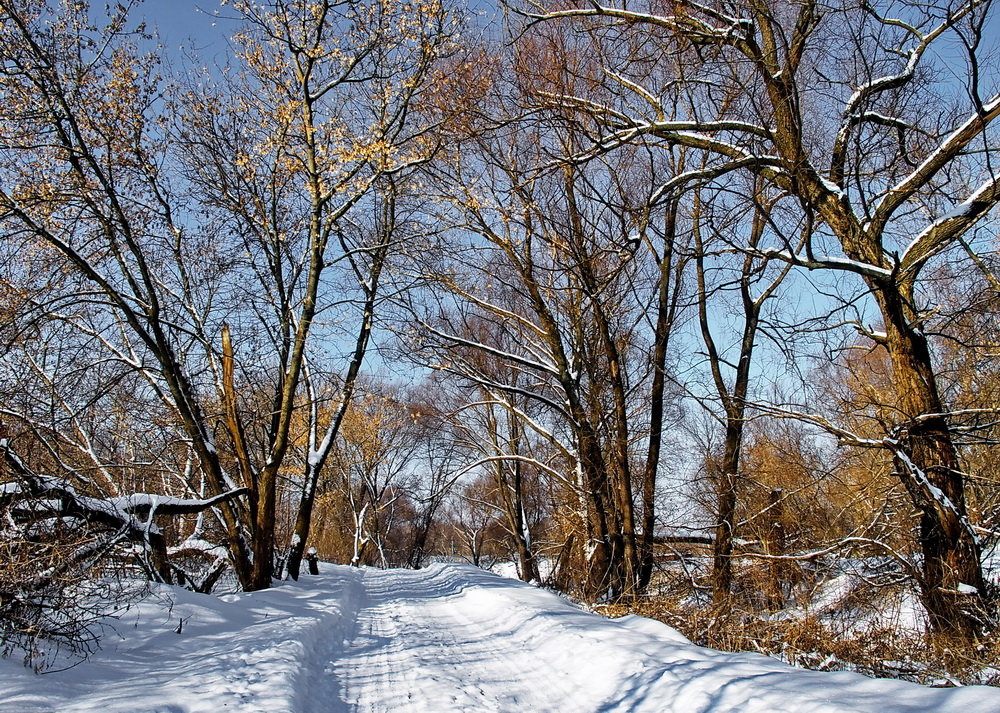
(181,652)
(639,665)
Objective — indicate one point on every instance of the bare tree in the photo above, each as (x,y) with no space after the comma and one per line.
(202,224)
(755,281)
(543,305)
(857,139)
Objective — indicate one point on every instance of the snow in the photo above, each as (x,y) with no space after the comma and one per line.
(961,210)
(834,601)
(832,187)
(443,639)
(828,261)
(196,543)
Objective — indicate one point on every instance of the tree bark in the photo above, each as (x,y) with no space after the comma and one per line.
(928,465)
(666,304)
(722,550)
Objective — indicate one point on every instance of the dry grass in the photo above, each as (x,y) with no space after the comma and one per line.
(818,643)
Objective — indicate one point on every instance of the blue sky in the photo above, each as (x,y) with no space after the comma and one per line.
(187,22)
(181,21)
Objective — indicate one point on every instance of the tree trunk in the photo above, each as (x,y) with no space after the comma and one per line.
(320,452)
(263,536)
(611,370)
(928,464)
(526,565)
(601,554)
(666,303)
(512,496)
(416,558)
(303,519)
(775,545)
(722,550)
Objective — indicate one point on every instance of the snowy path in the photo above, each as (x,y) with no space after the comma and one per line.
(445,639)
(452,639)
(418,649)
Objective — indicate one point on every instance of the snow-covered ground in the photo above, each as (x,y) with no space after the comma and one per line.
(446,638)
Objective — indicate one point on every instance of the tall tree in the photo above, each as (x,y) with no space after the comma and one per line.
(755,281)
(858,137)
(213,232)
(550,287)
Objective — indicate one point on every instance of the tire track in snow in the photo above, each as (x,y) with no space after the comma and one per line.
(417,648)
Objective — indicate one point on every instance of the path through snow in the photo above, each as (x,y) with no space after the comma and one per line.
(444,639)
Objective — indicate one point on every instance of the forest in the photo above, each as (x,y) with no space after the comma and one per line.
(681,308)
